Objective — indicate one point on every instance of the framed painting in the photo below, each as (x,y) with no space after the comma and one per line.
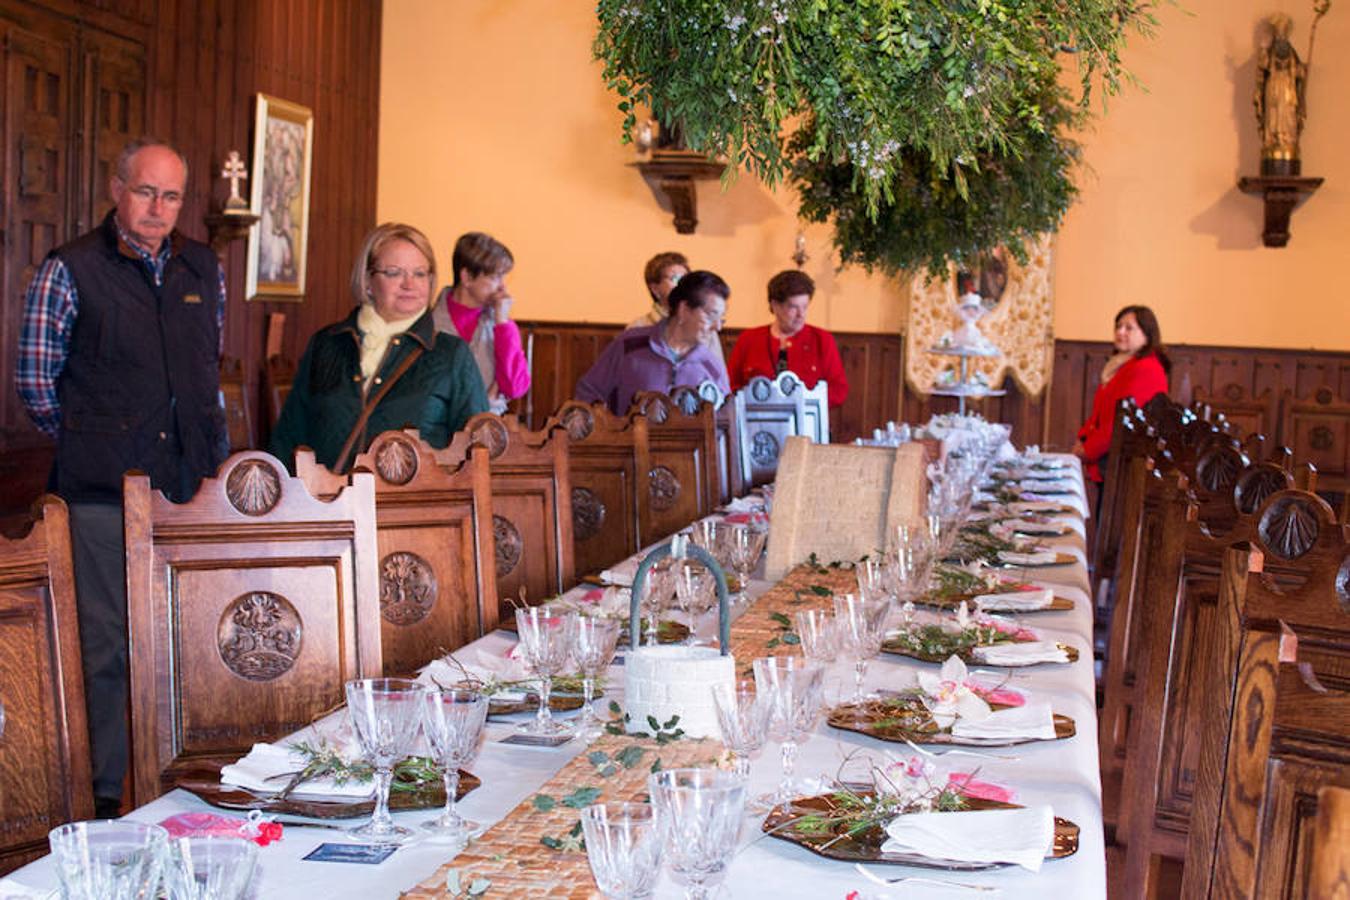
(278,247)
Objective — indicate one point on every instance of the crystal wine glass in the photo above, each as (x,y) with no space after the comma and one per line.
(657,590)
(745,544)
(623,846)
(874,577)
(819,635)
(385,713)
(694,591)
(862,624)
(700,812)
(794,687)
(453,722)
(108,859)
(545,644)
(593,647)
(217,867)
(743,718)
(711,535)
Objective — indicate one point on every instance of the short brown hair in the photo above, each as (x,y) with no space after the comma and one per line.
(790,283)
(658,264)
(479,253)
(375,242)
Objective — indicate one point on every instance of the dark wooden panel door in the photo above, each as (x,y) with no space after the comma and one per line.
(44,749)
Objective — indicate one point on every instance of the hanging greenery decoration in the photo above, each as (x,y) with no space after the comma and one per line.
(863,102)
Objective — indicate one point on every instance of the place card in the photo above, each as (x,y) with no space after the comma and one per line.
(361,854)
(536,740)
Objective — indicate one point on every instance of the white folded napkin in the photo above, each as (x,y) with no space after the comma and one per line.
(1016,601)
(1032,720)
(621,574)
(1023,653)
(1025,527)
(1047,485)
(745,505)
(1037,558)
(269,767)
(445,673)
(1021,506)
(1021,836)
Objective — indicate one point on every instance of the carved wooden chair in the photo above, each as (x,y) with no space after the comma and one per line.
(531,504)
(1182,661)
(683,479)
(1131,437)
(1277,729)
(727,434)
(1331,845)
(609,467)
(238,415)
(816,409)
(769,411)
(44,746)
(437,579)
(249,606)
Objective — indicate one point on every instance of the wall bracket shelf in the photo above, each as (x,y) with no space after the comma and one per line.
(676,173)
(1281,194)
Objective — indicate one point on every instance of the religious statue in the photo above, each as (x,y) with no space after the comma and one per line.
(1281,94)
(969,309)
(234,172)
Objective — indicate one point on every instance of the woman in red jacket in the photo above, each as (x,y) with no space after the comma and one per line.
(788,343)
(1138,370)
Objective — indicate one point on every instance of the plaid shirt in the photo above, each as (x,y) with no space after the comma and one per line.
(50,309)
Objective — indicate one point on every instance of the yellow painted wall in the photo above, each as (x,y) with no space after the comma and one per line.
(493,117)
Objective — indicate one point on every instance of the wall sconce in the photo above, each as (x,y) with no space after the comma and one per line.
(675,171)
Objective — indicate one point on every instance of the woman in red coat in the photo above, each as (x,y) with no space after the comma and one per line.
(788,343)
(1138,370)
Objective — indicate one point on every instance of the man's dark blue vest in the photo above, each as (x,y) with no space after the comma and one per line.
(141,385)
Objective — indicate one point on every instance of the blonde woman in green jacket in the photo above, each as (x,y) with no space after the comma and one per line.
(385,366)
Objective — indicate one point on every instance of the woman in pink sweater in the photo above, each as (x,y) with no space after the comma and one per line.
(476,307)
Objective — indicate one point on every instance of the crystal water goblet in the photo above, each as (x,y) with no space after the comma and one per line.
(700,812)
(623,846)
(217,867)
(657,590)
(453,722)
(874,578)
(385,713)
(545,645)
(711,535)
(819,634)
(743,719)
(794,686)
(593,646)
(108,859)
(861,623)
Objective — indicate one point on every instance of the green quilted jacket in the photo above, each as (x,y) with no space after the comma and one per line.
(436,396)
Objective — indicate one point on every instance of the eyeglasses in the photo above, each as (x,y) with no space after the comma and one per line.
(396,273)
(150,195)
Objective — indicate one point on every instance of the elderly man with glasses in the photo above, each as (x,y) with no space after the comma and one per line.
(119,361)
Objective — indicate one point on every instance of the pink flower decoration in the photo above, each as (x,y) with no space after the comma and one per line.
(965,784)
(1000,696)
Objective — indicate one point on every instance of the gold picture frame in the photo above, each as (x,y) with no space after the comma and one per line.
(283,154)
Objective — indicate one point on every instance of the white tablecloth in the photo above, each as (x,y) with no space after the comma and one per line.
(1063,774)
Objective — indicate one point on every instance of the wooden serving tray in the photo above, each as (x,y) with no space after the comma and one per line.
(205,783)
(865,846)
(866,718)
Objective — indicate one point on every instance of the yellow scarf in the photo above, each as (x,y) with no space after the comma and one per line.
(375,335)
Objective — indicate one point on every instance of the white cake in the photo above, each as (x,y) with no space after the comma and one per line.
(665,681)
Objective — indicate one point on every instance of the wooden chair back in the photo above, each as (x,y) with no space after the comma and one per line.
(1277,729)
(727,434)
(238,409)
(816,409)
(1186,649)
(1330,878)
(436,560)
(531,504)
(1130,438)
(769,412)
(45,778)
(249,607)
(1245,413)
(610,470)
(683,480)
(280,375)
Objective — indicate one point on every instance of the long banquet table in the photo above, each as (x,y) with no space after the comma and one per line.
(1063,774)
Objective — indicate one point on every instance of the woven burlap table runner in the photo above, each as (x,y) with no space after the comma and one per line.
(511,854)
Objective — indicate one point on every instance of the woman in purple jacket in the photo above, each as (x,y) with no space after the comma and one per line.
(667,355)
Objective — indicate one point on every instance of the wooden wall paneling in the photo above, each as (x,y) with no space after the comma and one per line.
(250,606)
(44,753)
